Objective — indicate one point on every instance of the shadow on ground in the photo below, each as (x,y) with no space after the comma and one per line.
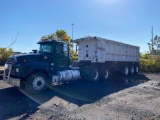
(83,92)
(13,103)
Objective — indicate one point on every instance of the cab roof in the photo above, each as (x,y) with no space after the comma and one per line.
(49,41)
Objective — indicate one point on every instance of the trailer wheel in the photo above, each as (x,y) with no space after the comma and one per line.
(94,74)
(126,71)
(36,83)
(104,75)
(132,70)
(136,69)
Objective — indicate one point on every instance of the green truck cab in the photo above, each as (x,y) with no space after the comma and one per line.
(35,71)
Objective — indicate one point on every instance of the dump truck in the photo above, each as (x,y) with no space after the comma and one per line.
(97,59)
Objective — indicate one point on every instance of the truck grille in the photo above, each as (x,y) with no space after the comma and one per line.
(11,62)
(12,71)
(6,72)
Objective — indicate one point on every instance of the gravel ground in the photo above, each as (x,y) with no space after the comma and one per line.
(13,104)
(133,98)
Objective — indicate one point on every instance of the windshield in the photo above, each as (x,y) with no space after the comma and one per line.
(46,48)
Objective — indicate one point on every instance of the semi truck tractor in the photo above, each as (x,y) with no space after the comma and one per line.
(97,59)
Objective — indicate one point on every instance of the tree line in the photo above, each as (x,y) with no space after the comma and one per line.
(150,62)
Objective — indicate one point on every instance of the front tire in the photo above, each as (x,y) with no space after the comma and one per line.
(36,83)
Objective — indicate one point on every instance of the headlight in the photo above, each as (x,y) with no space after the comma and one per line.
(17,70)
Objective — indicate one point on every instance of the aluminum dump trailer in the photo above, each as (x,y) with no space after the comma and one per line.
(107,54)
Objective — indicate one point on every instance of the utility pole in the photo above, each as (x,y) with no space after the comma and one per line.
(152,38)
(72,30)
(72,36)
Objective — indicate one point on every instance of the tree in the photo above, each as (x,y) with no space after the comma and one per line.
(157,42)
(73,55)
(154,43)
(13,41)
(61,34)
(4,54)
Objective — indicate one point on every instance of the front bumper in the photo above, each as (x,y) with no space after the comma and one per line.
(8,79)
(12,81)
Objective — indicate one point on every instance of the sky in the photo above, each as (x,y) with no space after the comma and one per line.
(127,21)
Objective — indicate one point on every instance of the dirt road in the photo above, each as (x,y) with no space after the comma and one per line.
(133,98)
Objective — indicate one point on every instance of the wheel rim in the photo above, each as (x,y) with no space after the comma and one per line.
(132,70)
(126,70)
(106,74)
(95,75)
(137,69)
(38,83)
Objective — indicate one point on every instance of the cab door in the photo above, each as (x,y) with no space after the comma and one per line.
(61,57)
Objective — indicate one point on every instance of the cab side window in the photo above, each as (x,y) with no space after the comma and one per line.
(59,48)
(62,49)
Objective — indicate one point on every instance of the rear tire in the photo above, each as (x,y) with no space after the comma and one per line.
(126,71)
(136,69)
(132,70)
(36,83)
(104,74)
(94,74)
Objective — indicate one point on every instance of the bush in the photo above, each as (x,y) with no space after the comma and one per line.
(150,65)
(145,56)
(4,54)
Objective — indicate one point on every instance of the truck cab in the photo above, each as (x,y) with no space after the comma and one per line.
(39,69)
(56,53)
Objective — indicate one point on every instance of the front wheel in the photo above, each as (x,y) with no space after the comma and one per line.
(36,83)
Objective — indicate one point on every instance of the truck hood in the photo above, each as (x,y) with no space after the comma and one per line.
(22,58)
(22,55)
